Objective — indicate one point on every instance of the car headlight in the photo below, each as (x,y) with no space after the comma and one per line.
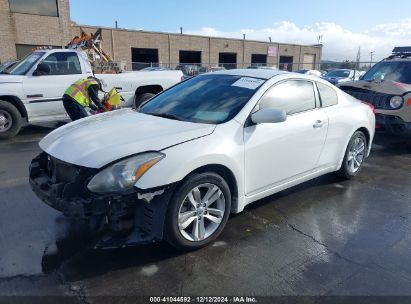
(122,175)
(396,102)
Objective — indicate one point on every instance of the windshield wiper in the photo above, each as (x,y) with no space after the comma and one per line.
(165,115)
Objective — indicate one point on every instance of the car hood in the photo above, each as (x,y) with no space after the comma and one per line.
(102,139)
(5,78)
(386,87)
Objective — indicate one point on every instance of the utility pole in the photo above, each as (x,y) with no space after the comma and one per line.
(357,68)
(372,53)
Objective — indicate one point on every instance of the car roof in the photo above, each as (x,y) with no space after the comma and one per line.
(255,73)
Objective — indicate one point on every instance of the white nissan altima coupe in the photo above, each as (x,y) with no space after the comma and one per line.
(177,167)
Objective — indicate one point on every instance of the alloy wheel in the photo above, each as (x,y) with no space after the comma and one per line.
(201,212)
(356,155)
(6,121)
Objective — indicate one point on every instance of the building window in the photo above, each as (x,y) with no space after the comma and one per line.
(258,59)
(143,58)
(35,7)
(190,57)
(286,63)
(23,50)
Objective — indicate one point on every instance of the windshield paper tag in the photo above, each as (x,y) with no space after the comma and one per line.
(248,83)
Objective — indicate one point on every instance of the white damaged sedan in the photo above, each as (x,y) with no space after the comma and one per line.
(177,167)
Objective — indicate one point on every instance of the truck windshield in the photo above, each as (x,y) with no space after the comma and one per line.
(26,64)
(399,71)
(211,99)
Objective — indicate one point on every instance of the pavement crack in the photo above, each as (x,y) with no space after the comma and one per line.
(294,228)
(77,290)
(80,292)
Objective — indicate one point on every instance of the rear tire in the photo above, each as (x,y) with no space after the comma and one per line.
(354,156)
(198,211)
(10,120)
(141,99)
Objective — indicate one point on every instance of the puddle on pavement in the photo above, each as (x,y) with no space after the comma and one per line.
(76,239)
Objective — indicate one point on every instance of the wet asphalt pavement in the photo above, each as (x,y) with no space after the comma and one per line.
(325,237)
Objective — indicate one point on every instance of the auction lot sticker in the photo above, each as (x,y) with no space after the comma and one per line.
(248,83)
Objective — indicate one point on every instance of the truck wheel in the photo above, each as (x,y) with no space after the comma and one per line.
(140,99)
(198,211)
(10,120)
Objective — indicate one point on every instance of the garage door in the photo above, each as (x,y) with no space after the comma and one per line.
(309,62)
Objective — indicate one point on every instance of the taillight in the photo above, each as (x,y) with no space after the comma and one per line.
(370,105)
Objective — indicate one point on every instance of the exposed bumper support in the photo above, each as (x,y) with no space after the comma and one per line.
(129,219)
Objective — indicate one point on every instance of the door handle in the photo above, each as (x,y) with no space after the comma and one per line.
(319,124)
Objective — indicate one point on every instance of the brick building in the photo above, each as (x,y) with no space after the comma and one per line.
(25,24)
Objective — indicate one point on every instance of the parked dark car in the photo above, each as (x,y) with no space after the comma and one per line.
(341,75)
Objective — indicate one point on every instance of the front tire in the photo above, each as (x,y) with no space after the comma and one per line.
(198,211)
(10,120)
(354,156)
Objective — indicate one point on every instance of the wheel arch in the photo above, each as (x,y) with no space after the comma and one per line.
(225,173)
(153,89)
(367,136)
(366,133)
(15,101)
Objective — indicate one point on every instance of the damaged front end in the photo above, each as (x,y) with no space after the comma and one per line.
(135,217)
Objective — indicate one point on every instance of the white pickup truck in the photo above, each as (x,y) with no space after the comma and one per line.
(32,90)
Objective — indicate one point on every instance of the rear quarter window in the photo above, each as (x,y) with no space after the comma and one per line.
(328,95)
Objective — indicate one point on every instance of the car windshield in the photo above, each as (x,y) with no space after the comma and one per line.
(211,99)
(399,71)
(26,64)
(339,73)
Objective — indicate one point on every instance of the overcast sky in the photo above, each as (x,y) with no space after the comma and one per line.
(377,25)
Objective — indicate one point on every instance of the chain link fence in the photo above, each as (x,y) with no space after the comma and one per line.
(192,69)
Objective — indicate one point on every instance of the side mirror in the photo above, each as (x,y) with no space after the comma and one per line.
(42,69)
(268,115)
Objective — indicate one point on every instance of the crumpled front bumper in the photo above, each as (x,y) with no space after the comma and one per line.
(124,219)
